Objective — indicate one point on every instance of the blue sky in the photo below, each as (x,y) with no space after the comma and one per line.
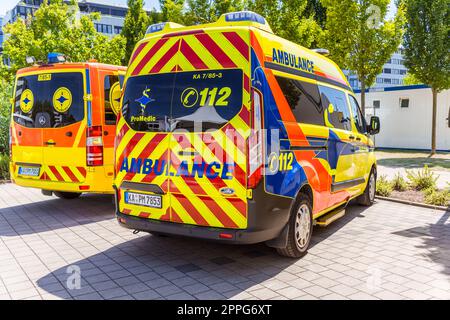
(6,5)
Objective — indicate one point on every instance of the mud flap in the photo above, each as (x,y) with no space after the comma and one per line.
(281,240)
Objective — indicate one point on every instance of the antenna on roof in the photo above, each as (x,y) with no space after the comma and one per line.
(321,51)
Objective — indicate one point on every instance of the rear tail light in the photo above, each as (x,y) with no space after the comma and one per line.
(94,146)
(255,144)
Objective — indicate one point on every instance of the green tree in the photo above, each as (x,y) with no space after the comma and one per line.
(206,11)
(410,80)
(289,19)
(135,26)
(427,48)
(360,38)
(173,11)
(315,8)
(56,27)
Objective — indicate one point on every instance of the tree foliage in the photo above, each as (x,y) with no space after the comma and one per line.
(56,27)
(426,42)
(289,19)
(427,48)
(135,26)
(360,38)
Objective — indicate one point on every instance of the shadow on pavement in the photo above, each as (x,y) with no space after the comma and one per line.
(154,267)
(414,162)
(436,239)
(54,214)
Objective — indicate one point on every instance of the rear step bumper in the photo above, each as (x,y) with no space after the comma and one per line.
(235,236)
(266,217)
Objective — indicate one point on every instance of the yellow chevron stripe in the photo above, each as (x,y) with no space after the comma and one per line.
(206,213)
(77,173)
(228,48)
(135,152)
(161,52)
(141,55)
(79,134)
(202,52)
(181,211)
(50,175)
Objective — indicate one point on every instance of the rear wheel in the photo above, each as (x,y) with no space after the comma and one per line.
(300,229)
(368,197)
(67,195)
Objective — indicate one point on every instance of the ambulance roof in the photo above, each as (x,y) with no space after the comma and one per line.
(271,44)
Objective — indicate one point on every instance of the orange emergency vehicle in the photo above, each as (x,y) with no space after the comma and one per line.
(62,126)
(231,133)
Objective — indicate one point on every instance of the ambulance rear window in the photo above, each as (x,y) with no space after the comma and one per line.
(49,100)
(194,101)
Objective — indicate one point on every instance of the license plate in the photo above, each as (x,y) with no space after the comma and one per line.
(146,200)
(29,171)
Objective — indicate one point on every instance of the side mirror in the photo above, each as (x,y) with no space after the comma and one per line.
(374,126)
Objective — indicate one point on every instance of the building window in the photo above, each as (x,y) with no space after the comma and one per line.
(402,72)
(117,29)
(387,80)
(404,103)
(376,104)
(395,81)
(387,70)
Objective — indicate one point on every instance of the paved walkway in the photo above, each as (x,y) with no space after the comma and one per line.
(66,249)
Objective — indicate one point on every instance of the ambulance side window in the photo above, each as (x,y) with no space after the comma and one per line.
(110,116)
(304,100)
(337,111)
(358,119)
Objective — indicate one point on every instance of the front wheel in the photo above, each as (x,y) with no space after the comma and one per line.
(368,197)
(300,229)
(67,195)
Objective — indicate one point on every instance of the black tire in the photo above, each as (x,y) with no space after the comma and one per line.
(67,195)
(293,248)
(368,197)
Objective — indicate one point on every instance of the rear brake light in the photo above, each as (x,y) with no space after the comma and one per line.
(255,143)
(94,146)
(225,236)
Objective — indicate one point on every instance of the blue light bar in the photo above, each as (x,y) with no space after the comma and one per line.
(155,27)
(54,57)
(244,16)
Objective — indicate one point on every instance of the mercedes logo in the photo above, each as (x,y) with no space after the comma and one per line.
(42,120)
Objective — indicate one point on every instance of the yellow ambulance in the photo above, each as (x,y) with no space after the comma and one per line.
(230,133)
(62,126)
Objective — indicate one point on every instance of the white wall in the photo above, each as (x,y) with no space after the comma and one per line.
(409,128)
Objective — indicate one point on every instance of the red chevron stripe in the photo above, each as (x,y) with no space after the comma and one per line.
(166,58)
(70,174)
(137,51)
(56,173)
(187,205)
(126,211)
(175,217)
(149,55)
(82,170)
(192,57)
(215,50)
(129,148)
(217,210)
(238,43)
(144,214)
(235,136)
(246,83)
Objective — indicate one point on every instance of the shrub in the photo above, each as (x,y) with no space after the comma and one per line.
(422,179)
(437,198)
(399,183)
(4,167)
(384,187)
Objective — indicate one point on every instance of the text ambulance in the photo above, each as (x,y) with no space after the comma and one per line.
(229,132)
(63,125)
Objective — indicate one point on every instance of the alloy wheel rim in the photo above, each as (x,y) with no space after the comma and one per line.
(302,226)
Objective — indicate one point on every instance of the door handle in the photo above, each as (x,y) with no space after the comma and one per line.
(20,133)
(358,139)
(69,133)
(50,143)
(188,153)
(351,137)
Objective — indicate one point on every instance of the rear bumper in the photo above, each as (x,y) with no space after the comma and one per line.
(267,216)
(96,180)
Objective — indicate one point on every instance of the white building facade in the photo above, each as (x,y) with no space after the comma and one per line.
(405,114)
(393,73)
